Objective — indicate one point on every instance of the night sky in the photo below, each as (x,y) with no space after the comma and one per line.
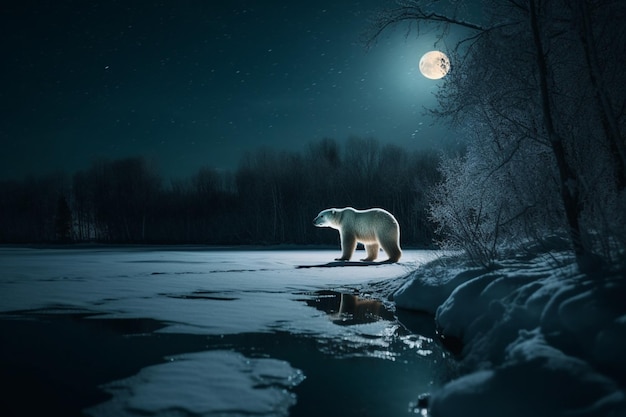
(189,84)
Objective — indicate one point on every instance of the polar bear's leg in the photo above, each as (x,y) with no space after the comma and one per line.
(348,245)
(392,248)
(372,251)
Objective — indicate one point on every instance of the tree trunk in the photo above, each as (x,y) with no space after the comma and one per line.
(609,121)
(568,183)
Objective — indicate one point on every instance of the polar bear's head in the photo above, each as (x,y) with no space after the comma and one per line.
(328,218)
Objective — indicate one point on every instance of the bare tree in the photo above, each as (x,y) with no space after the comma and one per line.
(608,108)
(63,224)
(517,88)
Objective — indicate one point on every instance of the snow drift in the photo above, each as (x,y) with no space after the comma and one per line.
(536,336)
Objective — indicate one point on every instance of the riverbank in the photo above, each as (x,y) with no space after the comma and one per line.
(533,336)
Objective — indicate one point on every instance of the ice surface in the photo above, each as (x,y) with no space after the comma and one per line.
(221,294)
(129,283)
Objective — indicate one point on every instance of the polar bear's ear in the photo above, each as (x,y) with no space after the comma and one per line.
(333,211)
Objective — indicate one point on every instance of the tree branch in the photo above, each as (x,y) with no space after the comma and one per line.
(411,11)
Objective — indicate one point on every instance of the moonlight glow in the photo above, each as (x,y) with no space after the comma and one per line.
(434,65)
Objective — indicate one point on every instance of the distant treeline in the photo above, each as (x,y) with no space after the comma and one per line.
(271,198)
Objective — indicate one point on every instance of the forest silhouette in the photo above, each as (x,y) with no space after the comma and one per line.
(270,199)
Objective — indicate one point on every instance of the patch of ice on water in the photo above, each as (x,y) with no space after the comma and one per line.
(205,383)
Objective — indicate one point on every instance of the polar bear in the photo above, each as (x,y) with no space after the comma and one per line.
(374,228)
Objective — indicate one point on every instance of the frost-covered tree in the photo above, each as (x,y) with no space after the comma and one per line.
(543,118)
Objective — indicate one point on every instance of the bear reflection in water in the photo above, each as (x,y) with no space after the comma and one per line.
(348,309)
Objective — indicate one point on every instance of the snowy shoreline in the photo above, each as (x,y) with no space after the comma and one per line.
(538,338)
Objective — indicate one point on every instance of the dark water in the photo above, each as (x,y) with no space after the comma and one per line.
(54,362)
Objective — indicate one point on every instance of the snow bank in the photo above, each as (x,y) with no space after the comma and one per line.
(430,286)
(537,338)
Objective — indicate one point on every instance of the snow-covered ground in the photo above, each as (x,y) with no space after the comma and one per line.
(536,337)
(242,333)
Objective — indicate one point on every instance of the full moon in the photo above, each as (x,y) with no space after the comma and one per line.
(434,65)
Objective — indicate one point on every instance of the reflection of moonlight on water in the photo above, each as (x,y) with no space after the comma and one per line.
(434,65)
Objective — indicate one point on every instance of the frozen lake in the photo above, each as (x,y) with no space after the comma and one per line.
(197,332)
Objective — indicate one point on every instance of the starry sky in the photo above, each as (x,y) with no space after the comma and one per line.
(190,84)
